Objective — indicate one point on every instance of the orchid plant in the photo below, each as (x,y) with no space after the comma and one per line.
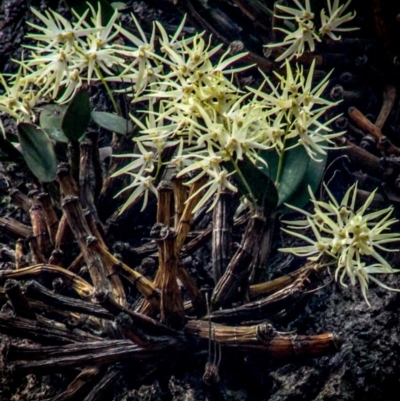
(216,132)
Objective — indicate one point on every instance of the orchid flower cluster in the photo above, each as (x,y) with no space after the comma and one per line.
(296,108)
(304,32)
(348,236)
(193,106)
(65,55)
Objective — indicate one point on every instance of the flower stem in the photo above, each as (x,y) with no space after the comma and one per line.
(243,179)
(108,89)
(280,164)
(159,165)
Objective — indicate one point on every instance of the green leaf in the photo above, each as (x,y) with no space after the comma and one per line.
(118,5)
(298,172)
(80,7)
(295,164)
(271,157)
(38,151)
(50,120)
(260,184)
(112,122)
(10,150)
(312,177)
(77,116)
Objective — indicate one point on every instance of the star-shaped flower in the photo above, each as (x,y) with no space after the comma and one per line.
(348,236)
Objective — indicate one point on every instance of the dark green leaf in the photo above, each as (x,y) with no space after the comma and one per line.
(312,177)
(77,116)
(261,186)
(9,149)
(295,163)
(298,172)
(271,157)
(80,7)
(50,120)
(112,122)
(38,151)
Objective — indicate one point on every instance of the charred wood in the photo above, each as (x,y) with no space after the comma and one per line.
(34,290)
(42,332)
(18,301)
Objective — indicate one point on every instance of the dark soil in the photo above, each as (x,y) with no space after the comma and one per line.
(367,368)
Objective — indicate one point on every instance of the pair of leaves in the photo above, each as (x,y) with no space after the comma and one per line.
(67,123)
(59,123)
(64,124)
(299,172)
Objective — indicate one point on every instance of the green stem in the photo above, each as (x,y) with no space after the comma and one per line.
(159,165)
(280,164)
(237,169)
(108,89)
